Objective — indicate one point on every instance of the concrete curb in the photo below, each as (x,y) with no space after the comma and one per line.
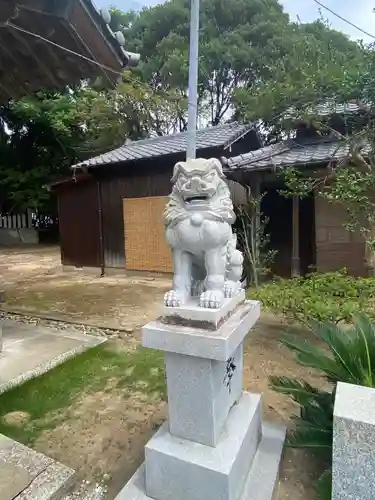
(45,367)
(60,318)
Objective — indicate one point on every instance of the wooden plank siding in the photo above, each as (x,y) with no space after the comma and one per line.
(79,210)
(113,224)
(79,225)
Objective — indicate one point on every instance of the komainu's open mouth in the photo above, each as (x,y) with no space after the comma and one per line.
(191,199)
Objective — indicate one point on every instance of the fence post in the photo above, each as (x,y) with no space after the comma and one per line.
(29,218)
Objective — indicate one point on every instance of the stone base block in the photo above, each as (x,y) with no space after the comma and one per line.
(244,465)
(261,482)
(184,470)
(200,342)
(28,475)
(353,458)
(191,314)
(263,479)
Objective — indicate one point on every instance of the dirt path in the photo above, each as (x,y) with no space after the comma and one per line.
(104,432)
(23,264)
(265,357)
(34,282)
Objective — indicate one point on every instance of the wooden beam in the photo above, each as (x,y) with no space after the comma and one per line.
(7,91)
(257,194)
(8,52)
(10,72)
(43,67)
(296,261)
(107,75)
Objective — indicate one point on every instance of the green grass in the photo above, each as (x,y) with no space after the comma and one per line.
(140,370)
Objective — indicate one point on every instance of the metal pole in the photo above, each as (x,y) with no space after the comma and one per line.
(193,80)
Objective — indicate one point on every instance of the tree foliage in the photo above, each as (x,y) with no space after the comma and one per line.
(42,135)
(249,53)
(245,47)
(320,64)
(298,89)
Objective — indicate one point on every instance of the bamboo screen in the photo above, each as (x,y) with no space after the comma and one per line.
(146,248)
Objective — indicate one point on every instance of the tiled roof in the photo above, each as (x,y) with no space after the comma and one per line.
(326,108)
(221,135)
(288,153)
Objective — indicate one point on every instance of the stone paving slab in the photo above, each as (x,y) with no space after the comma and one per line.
(31,350)
(51,484)
(39,477)
(13,480)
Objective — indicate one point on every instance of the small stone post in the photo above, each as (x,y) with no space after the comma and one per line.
(353,460)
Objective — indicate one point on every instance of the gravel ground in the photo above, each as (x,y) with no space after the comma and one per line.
(87,491)
(63,326)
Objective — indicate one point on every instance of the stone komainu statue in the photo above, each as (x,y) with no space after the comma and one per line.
(198,220)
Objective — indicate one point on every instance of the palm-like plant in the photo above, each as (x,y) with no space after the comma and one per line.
(350,358)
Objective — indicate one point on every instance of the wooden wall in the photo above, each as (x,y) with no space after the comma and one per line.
(79,225)
(79,208)
(336,247)
(114,191)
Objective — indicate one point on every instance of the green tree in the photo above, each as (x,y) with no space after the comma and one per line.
(316,74)
(122,21)
(242,43)
(320,64)
(237,38)
(42,135)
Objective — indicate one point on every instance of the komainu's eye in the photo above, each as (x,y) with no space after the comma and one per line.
(210,176)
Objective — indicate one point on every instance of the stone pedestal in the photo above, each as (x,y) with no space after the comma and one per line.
(353,458)
(214,445)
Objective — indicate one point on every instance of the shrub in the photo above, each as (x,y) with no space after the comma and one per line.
(253,241)
(350,358)
(321,297)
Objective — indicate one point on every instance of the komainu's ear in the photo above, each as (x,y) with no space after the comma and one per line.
(216,164)
(176,171)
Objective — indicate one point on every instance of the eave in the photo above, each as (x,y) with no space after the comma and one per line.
(28,63)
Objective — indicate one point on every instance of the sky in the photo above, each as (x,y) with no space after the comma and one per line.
(359,12)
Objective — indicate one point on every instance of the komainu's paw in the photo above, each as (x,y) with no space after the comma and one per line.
(211,299)
(231,289)
(174,298)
